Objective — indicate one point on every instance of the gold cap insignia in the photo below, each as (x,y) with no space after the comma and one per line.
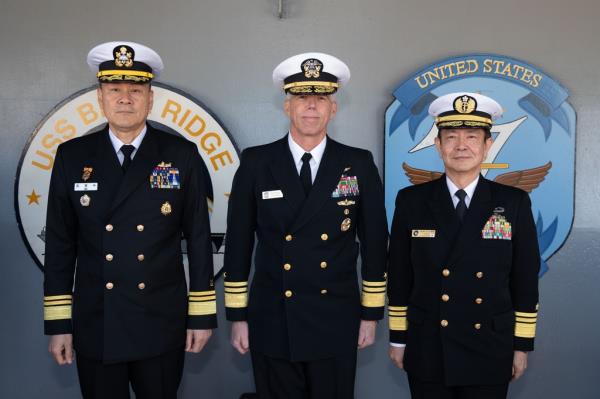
(465,104)
(124,57)
(312,68)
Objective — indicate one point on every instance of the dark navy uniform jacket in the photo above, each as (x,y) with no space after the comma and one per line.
(463,299)
(305,302)
(113,270)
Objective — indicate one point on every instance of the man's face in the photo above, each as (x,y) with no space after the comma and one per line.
(125,105)
(309,115)
(463,150)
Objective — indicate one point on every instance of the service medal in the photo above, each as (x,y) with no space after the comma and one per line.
(85,200)
(165,208)
(346,223)
(87,172)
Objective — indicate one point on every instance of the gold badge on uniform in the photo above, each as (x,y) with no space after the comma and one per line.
(87,172)
(346,202)
(85,200)
(423,233)
(165,208)
(346,223)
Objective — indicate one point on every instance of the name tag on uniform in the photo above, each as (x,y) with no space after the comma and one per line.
(86,186)
(272,194)
(423,233)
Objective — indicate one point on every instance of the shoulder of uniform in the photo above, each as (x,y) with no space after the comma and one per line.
(166,138)
(419,189)
(350,152)
(81,143)
(505,190)
(258,151)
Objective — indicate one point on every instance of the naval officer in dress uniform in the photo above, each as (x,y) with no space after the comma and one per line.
(120,201)
(305,199)
(464,261)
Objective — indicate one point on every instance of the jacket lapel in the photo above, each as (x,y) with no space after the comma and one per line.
(286,176)
(107,172)
(442,210)
(140,169)
(479,211)
(328,175)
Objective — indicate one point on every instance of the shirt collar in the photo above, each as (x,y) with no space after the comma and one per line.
(117,144)
(469,189)
(297,151)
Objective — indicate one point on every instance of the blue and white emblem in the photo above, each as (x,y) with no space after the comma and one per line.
(534,142)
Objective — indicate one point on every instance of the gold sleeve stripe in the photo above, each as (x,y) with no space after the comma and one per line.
(525,320)
(525,330)
(202,308)
(57,312)
(377,289)
(57,297)
(374,283)
(203,299)
(525,314)
(525,324)
(398,308)
(236,300)
(398,324)
(202,293)
(54,303)
(394,313)
(236,283)
(369,300)
(236,290)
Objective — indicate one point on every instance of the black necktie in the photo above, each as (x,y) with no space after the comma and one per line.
(305,175)
(461,207)
(127,150)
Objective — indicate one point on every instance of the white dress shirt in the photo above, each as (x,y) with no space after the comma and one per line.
(469,189)
(117,144)
(317,155)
